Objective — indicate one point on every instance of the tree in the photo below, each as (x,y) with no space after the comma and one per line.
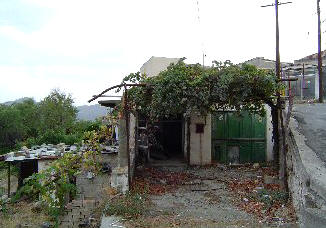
(30,115)
(11,127)
(57,112)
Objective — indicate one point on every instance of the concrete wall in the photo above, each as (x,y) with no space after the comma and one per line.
(306,180)
(44,164)
(269,135)
(156,64)
(200,143)
(132,142)
(262,63)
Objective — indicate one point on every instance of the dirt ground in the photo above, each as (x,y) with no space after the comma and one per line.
(215,196)
(20,214)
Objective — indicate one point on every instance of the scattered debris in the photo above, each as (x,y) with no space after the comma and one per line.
(256,165)
(235,196)
(155,181)
(262,197)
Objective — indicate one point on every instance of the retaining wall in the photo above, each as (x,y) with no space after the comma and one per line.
(306,179)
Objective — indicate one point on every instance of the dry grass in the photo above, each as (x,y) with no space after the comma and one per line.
(167,221)
(4,182)
(22,214)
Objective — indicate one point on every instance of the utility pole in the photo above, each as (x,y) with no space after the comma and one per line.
(278,125)
(320,69)
(278,61)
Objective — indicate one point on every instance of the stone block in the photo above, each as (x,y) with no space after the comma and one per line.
(119,179)
(77,203)
(88,204)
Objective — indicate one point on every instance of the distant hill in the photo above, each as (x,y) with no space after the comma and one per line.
(91,112)
(85,112)
(20,100)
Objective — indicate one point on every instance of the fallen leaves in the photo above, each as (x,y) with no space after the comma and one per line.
(157,182)
(263,200)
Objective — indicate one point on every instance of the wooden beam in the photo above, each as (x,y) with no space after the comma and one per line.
(9,174)
(114,87)
(288,79)
(108,96)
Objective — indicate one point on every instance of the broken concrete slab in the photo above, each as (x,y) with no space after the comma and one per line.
(111,222)
(119,179)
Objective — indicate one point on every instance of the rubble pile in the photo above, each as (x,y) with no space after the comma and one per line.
(50,151)
(39,152)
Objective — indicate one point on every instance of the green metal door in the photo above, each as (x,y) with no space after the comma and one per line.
(238,139)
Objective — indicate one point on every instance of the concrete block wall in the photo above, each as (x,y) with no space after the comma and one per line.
(269,135)
(43,164)
(94,187)
(78,212)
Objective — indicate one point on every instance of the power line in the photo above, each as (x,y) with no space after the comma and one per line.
(200,27)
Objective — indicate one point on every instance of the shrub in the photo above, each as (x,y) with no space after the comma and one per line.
(51,136)
(72,139)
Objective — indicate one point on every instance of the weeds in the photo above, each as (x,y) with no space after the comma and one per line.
(131,205)
(269,197)
(2,191)
(3,208)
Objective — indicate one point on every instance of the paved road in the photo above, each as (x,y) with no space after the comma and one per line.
(312,123)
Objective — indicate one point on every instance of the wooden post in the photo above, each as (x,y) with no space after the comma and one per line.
(321,92)
(9,174)
(302,86)
(278,64)
(127,117)
(188,139)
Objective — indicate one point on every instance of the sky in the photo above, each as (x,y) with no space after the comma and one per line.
(85,46)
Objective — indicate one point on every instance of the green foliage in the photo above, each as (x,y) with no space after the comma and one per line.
(11,127)
(29,142)
(30,115)
(17,122)
(182,89)
(269,197)
(51,136)
(54,185)
(3,207)
(85,125)
(58,112)
(3,165)
(52,121)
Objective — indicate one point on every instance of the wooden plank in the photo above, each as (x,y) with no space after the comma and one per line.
(9,174)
